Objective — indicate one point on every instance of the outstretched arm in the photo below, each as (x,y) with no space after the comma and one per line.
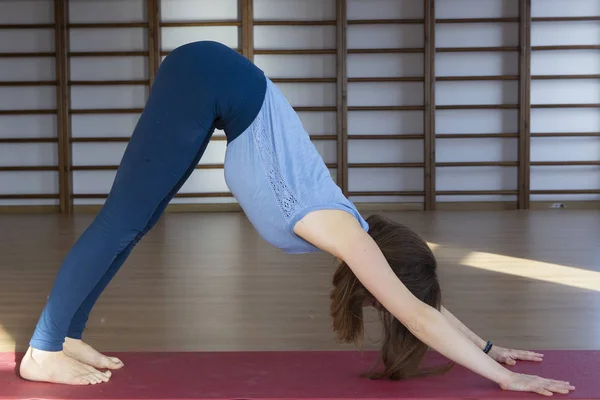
(477,341)
(339,234)
(500,354)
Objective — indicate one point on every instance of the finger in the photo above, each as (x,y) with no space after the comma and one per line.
(527,356)
(558,386)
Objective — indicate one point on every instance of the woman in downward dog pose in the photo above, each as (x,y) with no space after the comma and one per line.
(285,189)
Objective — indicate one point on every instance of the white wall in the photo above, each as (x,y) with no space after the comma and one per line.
(27,98)
(322,94)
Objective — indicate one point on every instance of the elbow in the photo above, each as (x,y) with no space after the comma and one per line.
(421,320)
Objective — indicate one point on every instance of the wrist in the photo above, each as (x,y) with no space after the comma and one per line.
(505,378)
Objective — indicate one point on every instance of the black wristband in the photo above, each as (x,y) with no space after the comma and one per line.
(488,347)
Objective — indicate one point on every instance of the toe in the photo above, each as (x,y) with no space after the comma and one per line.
(115,363)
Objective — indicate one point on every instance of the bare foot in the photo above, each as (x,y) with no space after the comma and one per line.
(88,355)
(57,367)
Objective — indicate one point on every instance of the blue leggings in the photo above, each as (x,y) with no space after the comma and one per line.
(164,150)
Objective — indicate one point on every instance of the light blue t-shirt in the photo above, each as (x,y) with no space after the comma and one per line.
(278,176)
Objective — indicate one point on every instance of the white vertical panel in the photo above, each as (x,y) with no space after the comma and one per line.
(28,69)
(92,97)
(476,121)
(580,149)
(476,178)
(565,91)
(26,40)
(561,8)
(385,9)
(28,154)
(385,179)
(29,182)
(385,36)
(109,68)
(475,64)
(294,37)
(565,120)
(317,10)
(113,39)
(198,10)
(87,11)
(173,37)
(28,98)
(28,126)
(385,94)
(108,125)
(26,11)
(477,92)
(385,122)
(309,94)
(476,150)
(319,123)
(385,151)
(565,62)
(385,65)
(565,33)
(476,8)
(297,66)
(477,34)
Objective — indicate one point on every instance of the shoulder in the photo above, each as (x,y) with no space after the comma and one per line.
(331,230)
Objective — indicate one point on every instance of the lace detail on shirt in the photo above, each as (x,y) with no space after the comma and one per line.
(287,201)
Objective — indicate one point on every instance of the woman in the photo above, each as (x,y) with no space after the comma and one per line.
(285,189)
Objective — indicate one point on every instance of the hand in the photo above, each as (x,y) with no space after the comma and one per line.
(510,357)
(536,384)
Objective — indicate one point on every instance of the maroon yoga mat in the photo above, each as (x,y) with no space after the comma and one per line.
(294,375)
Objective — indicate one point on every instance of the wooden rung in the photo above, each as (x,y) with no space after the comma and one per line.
(28,55)
(27,26)
(563,163)
(388,79)
(106,25)
(179,24)
(478,164)
(581,76)
(304,80)
(29,196)
(387,137)
(107,111)
(573,191)
(167,52)
(178,195)
(565,134)
(107,54)
(475,192)
(110,83)
(312,109)
(477,107)
(386,108)
(387,50)
(564,19)
(475,135)
(478,78)
(569,47)
(27,112)
(258,22)
(475,49)
(588,105)
(27,83)
(475,20)
(294,51)
(397,193)
(386,21)
(28,168)
(99,139)
(386,165)
(28,140)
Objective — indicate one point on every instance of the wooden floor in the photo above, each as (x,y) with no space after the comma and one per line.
(206,281)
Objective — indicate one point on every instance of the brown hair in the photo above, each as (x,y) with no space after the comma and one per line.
(413,262)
